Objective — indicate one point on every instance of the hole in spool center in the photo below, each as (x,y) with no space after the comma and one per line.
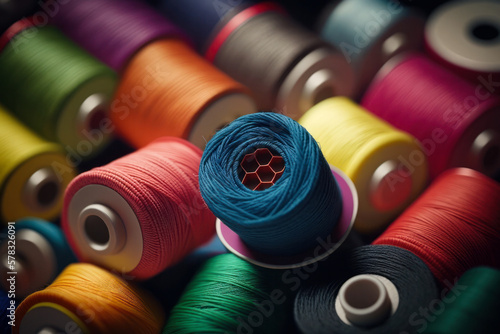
(96,118)
(362,294)
(485,31)
(323,94)
(97,232)
(491,157)
(48,194)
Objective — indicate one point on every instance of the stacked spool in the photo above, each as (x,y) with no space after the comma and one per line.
(289,70)
(456,124)
(165,88)
(464,36)
(67,100)
(33,173)
(369,33)
(141,213)
(386,165)
(279,203)
(41,252)
(87,299)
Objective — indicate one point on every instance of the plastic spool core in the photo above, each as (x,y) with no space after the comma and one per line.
(261,169)
(318,87)
(92,111)
(390,186)
(486,150)
(42,189)
(485,31)
(49,318)
(393,44)
(48,330)
(103,229)
(365,300)
(36,262)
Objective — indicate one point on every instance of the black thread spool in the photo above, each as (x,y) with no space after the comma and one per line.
(407,281)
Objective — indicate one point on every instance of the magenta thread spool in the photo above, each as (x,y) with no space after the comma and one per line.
(113,30)
(464,36)
(456,123)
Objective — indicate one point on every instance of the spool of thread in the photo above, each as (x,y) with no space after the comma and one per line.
(369,33)
(5,303)
(471,306)
(33,173)
(67,98)
(456,123)
(41,253)
(227,296)
(114,41)
(13,10)
(373,292)
(87,299)
(453,226)
(141,213)
(465,37)
(305,13)
(168,90)
(386,165)
(266,179)
(201,20)
(289,69)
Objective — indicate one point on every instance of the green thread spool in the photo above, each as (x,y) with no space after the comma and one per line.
(33,173)
(230,295)
(56,88)
(471,306)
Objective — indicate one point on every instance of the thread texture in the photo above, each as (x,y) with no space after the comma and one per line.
(222,296)
(160,183)
(432,104)
(453,226)
(288,217)
(60,75)
(314,307)
(472,307)
(21,154)
(165,88)
(113,30)
(80,287)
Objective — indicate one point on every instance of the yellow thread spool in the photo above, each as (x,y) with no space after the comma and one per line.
(33,173)
(386,165)
(89,299)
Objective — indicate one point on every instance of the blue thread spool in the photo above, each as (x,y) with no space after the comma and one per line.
(275,222)
(42,252)
(370,32)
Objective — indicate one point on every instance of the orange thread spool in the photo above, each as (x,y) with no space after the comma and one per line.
(87,299)
(168,90)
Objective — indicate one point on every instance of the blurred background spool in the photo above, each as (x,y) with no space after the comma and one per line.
(87,299)
(67,98)
(370,32)
(464,36)
(33,173)
(168,90)
(141,213)
(41,253)
(387,167)
(472,307)
(230,295)
(13,10)
(289,70)
(293,203)
(453,226)
(456,124)
(113,30)
(4,312)
(371,290)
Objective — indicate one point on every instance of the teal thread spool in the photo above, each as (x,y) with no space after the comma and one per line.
(471,306)
(56,88)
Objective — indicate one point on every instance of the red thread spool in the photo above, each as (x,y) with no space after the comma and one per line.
(456,122)
(453,226)
(141,213)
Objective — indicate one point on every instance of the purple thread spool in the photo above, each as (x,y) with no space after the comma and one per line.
(113,30)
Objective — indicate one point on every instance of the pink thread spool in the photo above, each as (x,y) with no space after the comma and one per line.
(141,213)
(456,123)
